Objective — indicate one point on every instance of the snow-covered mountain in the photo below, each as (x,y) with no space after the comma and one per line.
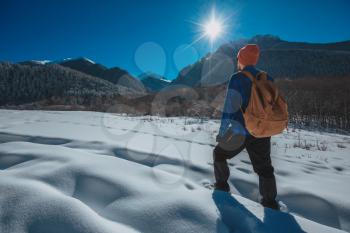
(54,84)
(35,62)
(154,82)
(85,65)
(78,172)
(114,75)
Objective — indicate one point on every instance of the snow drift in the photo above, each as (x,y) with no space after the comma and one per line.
(92,172)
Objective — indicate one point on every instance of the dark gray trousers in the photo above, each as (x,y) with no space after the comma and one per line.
(259,153)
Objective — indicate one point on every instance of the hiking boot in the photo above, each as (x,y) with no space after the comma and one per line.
(270,204)
(225,187)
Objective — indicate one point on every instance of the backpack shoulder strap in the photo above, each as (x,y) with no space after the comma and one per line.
(262,75)
(248,75)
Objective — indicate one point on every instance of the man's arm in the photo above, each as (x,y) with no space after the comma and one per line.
(232,104)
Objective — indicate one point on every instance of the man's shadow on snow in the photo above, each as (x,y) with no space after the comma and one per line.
(237,218)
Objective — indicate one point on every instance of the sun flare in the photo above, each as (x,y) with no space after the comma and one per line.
(213,28)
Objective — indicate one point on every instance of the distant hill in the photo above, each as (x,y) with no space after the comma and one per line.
(35,62)
(281,59)
(21,84)
(84,65)
(114,75)
(153,82)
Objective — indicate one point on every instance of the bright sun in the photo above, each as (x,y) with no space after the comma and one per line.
(213,28)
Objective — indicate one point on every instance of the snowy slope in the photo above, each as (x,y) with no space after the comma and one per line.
(95,172)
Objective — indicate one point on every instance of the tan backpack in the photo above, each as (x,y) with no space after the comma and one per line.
(267,112)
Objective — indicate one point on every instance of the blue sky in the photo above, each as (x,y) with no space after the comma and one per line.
(153,35)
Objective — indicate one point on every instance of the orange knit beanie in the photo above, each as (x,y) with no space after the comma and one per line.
(248,55)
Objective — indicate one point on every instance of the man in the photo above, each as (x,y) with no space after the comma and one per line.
(237,99)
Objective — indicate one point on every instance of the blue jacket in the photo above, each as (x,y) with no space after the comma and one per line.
(237,98)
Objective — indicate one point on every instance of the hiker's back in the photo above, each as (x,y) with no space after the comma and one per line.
(266,113)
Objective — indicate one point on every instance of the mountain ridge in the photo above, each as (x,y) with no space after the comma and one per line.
(114,75)
(153,82)
(280,58)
